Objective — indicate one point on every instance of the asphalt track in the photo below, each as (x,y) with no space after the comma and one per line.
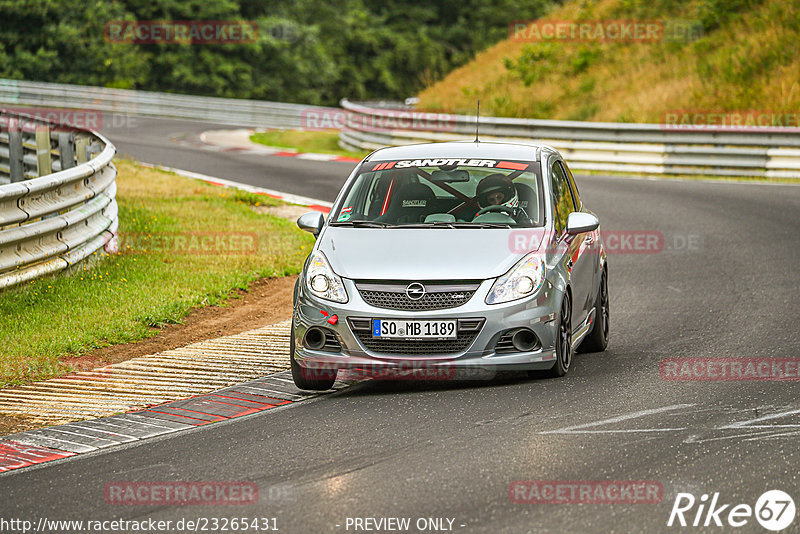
(173,143)
(724,284)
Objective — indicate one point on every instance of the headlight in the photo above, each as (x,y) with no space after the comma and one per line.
(322,282)
(523,280)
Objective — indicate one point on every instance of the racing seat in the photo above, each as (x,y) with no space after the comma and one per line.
(388,184)
(410,204)
(528,200)
(381,188)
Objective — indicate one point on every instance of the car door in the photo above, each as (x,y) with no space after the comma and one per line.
(577,260)
(591,241)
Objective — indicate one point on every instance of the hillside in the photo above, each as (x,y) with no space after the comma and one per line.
(747,58)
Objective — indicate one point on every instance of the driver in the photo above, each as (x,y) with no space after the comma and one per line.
(497,190)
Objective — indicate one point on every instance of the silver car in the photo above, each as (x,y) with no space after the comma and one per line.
(444,258)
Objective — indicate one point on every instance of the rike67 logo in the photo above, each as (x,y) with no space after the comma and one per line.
(774,510)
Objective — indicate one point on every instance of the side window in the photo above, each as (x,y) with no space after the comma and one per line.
(574,186)
(556,219)
(563,202)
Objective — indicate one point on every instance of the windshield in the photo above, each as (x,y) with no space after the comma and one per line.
(444,192)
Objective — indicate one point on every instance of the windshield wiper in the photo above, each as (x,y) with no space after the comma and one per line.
(434,224)
(445,224)
(363,224)
(489,225)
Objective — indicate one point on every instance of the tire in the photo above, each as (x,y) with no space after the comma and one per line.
(564,350)
(597,340)
(310,379)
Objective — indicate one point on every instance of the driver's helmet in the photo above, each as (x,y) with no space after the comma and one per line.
(492,187)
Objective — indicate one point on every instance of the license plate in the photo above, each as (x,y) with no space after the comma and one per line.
(442,329)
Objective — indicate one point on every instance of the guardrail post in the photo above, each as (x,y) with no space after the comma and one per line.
(66,150)
(16,168)
(81,149)
(43,162)
(10,90)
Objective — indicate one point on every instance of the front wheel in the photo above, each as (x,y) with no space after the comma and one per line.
(311,379)
(563,339)
(597,340)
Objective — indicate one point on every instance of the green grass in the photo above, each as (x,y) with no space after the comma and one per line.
(740,56)
(319,142)
(119,298)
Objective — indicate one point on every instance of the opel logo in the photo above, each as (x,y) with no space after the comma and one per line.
(415,291)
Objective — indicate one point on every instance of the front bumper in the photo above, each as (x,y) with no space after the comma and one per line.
(536,313)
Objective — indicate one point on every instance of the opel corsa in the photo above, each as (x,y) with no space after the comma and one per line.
(457,255)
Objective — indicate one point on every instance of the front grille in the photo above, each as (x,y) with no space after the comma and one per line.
(468,330)
(414,347)
(438,296)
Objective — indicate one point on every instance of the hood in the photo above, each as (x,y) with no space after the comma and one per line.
(426,253)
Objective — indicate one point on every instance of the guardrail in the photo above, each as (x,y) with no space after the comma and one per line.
(57,198)
(596,146)
(228,111)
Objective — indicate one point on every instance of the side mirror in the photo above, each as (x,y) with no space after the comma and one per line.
(311,222)
(579,222)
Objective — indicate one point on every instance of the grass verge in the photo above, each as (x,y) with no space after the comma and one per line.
(183,244)
(733,56)
(319,142)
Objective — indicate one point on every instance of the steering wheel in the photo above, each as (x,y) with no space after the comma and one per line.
(495,208)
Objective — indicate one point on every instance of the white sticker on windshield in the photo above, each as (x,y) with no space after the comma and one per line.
(440,162)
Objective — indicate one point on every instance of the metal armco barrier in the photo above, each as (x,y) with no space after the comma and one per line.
(596,146)
(57,197)
(229,111)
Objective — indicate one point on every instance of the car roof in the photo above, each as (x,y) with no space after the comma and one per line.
(462,149)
